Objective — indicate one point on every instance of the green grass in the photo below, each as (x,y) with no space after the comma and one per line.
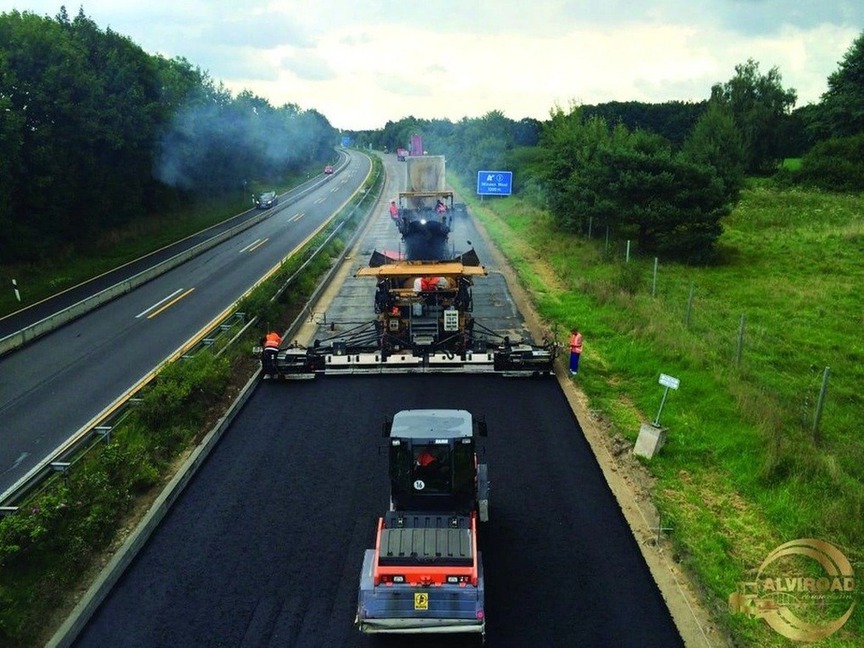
(742,471)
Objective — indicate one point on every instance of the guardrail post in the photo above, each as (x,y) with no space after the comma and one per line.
(61,467)
(8,510)
(104,431)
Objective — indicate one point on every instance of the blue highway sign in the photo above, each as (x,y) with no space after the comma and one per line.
(494,183)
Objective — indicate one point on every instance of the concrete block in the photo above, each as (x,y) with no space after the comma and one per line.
(651,439)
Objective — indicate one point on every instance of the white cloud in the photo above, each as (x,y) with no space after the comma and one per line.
(362,64)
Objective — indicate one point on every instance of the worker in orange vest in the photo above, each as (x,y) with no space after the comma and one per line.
(426,458)
(271,347)
(575,350)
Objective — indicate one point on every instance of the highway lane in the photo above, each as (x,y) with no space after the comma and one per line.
(264,547)
(52,387)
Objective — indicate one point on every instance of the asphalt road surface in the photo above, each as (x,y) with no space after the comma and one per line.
(54,386)
(264,546)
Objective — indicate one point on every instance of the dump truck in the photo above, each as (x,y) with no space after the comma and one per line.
(425,573)
(425,209)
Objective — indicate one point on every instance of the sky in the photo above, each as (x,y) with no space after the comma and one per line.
(364,63)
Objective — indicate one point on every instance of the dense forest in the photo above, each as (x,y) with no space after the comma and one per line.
(95,133)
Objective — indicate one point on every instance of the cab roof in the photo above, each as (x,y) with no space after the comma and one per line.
(432,423)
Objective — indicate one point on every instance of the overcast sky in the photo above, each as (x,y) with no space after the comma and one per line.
(362,63)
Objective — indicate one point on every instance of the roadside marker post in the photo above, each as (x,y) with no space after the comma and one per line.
(652,437)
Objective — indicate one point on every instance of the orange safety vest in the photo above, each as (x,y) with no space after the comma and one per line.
(272,341)
(429,283)
(425,458)
(576,343)
(394,211)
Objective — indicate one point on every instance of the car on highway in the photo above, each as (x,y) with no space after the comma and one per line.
(328,169)
(266,200)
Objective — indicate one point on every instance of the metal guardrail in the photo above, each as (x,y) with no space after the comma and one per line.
(98,430)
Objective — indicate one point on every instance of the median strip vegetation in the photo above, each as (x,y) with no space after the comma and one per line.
(744,468)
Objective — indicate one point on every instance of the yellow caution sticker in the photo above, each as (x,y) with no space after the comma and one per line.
(421,601)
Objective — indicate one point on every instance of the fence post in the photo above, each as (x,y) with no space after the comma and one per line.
(820,403)
(740,342)
(606,251)
(654,282)
(627,256)
(689,306)
(590,226)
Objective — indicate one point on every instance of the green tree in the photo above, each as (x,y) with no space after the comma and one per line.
(674,204)
(841,110)
(716,142)
(836,164)
(86,116)
(572,170)
(673,120)
(633,183)
(758,104)
(11,135)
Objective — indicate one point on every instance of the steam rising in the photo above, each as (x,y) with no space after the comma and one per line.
(221,144)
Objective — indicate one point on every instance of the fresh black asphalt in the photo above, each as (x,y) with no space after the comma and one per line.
(264,546)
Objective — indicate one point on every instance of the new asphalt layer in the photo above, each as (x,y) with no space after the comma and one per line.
(264,546)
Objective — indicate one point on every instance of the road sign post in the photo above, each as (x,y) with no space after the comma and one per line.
(652,437)
(669,382)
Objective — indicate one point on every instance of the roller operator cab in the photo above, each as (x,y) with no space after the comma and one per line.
(425,574)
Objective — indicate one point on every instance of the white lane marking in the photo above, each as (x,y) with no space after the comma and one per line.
(258,244)
(159,303)
(170,303)
(255,242)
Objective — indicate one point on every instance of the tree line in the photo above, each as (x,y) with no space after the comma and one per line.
(95,134)
(663,175)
